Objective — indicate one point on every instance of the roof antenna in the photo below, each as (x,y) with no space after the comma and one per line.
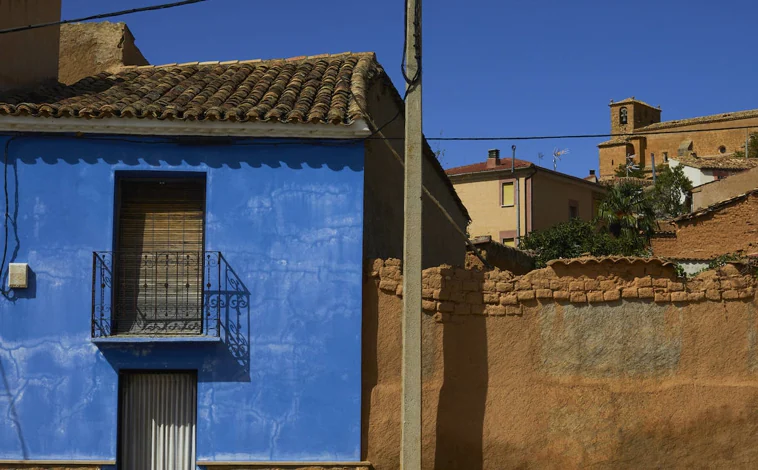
(540,156)
(557,154)
(513,157)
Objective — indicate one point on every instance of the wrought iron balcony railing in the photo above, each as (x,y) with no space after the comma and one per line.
(156,293)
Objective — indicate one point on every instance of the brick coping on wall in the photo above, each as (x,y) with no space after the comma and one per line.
(457,291)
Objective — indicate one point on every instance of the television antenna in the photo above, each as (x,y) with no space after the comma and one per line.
(557,154)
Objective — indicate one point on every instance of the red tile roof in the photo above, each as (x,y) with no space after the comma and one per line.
(505,164)
(319,89)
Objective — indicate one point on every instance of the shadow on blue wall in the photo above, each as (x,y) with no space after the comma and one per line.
(213,155)
(15,245)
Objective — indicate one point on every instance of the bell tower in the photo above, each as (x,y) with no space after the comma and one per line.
(630,114)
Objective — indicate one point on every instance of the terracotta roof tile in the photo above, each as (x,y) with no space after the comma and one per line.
(610,260)
(505,164)
(320,89)
(751,113)
(718,163)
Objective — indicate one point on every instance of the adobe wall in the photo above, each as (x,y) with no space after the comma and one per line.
(707,194)
(87,49)
(735,226)
(609,365)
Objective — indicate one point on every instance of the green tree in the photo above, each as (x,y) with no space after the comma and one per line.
(628,214)
(670,192)
(573,239)
(752,147)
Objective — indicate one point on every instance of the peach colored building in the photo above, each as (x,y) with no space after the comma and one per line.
(705,145)
(509,198)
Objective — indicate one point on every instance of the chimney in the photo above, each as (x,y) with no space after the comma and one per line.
(493,158)
(592,177)
(29,58)
(592,172)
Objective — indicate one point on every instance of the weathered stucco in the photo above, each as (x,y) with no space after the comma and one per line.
(559,384)
(40,45)
(283,382)
(90,48)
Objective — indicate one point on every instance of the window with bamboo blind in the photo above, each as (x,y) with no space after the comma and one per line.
(159,257)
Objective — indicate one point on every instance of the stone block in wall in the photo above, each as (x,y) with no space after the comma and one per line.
(662,297)
(713,294)
(513,310)
(578,297)
(491,298)
(452,286)
(429,305)
(508,299)
(676,286)
(611,295)
(489,286)
(477,309)
(543,293)
(561,295)
(393,262)
(440,294)
(376,265)
(558,285)
(462,309)
(447,307)
(457,296)
(462,274)
(387,285)
(495,310)
(541,284)
(576,286)
(679,296)
(427,293)
(730,295)
(433,282)
(629,293)
(399,290)
(591,285)
(747,293)
(696,296)
(474,298)
(391,272)
(661,282)
(595,296)
(643,282)
(607,285)
(523,285)
(645,292)
(469,286)
(525,295)
(504,287)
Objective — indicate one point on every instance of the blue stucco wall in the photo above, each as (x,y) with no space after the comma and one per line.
(285,385)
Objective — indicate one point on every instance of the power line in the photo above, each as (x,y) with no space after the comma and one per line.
(581,136)
(101,16)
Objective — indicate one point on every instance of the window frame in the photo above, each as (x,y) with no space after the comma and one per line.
(514,184)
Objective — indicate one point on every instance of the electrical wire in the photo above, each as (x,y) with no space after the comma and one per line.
(3,291)
(101,16)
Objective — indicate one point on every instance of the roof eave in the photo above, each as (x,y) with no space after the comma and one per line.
(152,127)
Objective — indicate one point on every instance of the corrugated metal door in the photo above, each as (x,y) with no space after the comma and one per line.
(160,256)
(157,421)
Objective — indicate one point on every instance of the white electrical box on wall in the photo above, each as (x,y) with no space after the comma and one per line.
(18,275)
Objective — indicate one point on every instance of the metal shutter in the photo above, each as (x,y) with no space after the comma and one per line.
(160,257)
(157,421)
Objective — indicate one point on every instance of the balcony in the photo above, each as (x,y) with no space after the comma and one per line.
(157,296)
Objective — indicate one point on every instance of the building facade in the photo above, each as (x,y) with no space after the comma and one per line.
(727,227)
(508,198)
(717,191)
(697,142)
(185,249)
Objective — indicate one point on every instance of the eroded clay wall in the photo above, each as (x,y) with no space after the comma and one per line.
(603,365)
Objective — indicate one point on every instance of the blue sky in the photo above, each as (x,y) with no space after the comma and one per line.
(492,67)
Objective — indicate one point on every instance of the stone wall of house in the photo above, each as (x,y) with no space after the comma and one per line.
(730,229)
(610,364)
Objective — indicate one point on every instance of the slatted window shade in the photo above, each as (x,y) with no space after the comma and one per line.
(160,257)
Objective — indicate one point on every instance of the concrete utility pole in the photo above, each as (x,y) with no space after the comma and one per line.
(410,413)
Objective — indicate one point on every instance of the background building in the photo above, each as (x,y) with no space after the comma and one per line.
(701,145)
(508,198)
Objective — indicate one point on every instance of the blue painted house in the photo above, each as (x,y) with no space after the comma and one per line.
(182,261)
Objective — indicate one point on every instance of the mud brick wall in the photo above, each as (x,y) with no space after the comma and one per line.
(610,363)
